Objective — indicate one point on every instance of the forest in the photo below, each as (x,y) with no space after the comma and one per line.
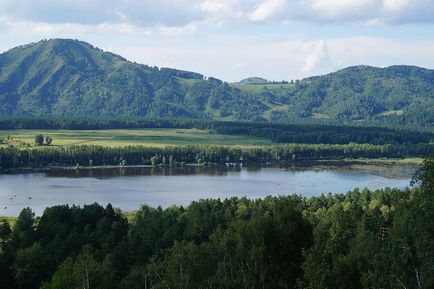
(309,133)
(64,77)
(361,239)
(90,155)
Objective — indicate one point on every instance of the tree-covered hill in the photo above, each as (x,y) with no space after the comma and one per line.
(72,78)
(364,92)
(254,80)
(69,77)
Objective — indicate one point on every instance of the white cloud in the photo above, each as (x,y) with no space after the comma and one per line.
(406,11)
(237,66)
(269,9)
(175,31)
(69,30)
(380,51)
(344,9)
(233,60)
(239,48)
(138,12)
(214,6)
(317,60)
(182,12)
(394,5)
(229,57)
(383,11)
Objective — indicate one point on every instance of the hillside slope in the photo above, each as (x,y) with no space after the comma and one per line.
(362,92)
(70,77)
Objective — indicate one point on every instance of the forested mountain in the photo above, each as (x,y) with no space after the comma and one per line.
(69,77)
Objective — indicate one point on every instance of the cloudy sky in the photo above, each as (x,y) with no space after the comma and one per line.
(234,39)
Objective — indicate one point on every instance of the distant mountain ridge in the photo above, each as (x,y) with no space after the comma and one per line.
(254,80)
(69,77)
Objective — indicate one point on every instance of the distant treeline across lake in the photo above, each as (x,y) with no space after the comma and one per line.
(11,157)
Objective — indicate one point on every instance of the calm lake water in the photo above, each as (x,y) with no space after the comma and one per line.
(128,188)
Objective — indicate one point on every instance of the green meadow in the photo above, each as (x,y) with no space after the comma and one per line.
(128,137)
(10,220)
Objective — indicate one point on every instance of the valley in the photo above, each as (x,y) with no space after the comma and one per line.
(116,174)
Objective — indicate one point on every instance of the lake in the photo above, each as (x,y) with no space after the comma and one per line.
(128,188)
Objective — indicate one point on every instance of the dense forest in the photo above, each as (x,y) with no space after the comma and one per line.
(90,155)
(362,239)
(276,132)
(72,78)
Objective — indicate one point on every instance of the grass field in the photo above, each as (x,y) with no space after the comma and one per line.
(10,220)
(125,137)
(278,88)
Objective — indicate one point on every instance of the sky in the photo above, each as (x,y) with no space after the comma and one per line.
(235,39)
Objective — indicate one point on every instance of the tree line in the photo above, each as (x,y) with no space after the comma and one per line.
(323,134)
(362,239)
(91,155)
(312,133)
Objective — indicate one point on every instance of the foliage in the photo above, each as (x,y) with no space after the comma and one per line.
(48,140)
(83,155)
(39,139)
(274,132)
(63,77)
(362,239)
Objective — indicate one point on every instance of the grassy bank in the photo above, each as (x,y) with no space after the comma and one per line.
(379,161)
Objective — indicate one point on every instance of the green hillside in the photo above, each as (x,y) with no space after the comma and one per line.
(254,80)
(363,92)
(72,78)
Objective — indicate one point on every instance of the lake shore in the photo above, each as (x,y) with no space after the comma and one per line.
(359,163)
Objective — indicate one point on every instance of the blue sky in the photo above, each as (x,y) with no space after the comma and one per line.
(234,39)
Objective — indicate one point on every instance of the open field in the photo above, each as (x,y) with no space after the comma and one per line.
(10,220)
(131,216)
(126,137)
(280,88)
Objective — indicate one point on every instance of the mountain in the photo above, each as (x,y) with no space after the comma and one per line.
(66,77)
(254,80)
(363,92)
(69,77)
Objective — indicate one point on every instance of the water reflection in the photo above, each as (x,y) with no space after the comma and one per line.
(129,187)
(390,171)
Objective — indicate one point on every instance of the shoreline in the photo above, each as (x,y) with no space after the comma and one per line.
(360,163)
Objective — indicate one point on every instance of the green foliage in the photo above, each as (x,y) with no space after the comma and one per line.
(372,240)
(12,158)
(203,131)
(5,234)
(24,233)
(363,92)
(63,77)
(254,80)
(39,140)
(48,140)
(362,239)
(83,271)
(30,266)
(425,176)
